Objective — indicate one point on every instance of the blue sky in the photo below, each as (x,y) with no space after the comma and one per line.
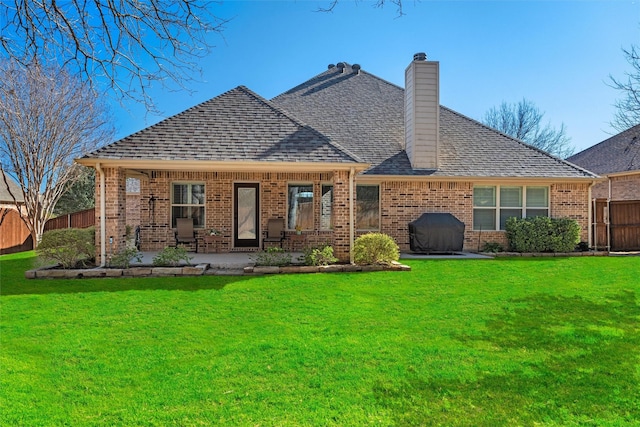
(558,54)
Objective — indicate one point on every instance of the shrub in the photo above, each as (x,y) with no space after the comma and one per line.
(492,247)
(322,255)
(172,256)
(123,258)
(375,248)
(69,247)
(272,257)
(542,234)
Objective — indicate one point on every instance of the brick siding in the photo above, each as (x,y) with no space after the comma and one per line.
(625,187)
(401,202)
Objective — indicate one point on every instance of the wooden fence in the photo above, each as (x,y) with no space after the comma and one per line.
(14,234)
(81,219)
(621,221)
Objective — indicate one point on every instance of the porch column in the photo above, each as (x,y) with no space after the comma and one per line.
(341,223)
(115,212)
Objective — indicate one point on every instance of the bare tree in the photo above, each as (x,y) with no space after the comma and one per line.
(47,118)
(628,107)
(127,45)
(523,121)
(331,5)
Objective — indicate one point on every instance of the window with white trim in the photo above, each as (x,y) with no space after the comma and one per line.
(188,201)
(494,204)
(367,207)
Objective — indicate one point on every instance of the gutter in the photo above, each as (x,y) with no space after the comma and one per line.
(103,220)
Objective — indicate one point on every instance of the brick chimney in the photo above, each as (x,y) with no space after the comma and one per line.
(422,112)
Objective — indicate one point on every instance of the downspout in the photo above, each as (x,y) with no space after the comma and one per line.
(609,216)
(352,227)
(591,215)
(103,220)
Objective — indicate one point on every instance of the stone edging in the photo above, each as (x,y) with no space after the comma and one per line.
(333,268)
(199,270)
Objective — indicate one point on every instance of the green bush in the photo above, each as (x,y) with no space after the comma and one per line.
(272,257)
(123,258)
(542,234)
(321,255)
(69,247)
(492,247)
(171,256)
(375,248)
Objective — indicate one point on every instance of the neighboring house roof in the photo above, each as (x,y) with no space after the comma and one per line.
(5,196)
(335,117)
(620,153)
(238,125)
(365,114)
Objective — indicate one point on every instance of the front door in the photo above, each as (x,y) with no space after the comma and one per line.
(246,218)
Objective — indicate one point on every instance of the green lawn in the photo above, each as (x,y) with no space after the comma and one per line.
(544,341)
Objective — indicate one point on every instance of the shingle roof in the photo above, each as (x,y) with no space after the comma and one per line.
(13,186)
(365,114)
(238,125)
(620,153)
(335,117)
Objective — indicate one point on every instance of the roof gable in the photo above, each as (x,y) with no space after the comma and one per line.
(238,125)
(620,153)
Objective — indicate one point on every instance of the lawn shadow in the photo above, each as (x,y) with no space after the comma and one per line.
(13,282)
(576,363)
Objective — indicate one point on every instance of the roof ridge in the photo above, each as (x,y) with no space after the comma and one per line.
(524,144)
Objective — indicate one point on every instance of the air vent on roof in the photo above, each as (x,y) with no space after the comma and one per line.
(356,68)
(341,66)
(331,66)
(420,56)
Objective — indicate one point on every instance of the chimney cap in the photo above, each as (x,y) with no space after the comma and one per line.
(420,56)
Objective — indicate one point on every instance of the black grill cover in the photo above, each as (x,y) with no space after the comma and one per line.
(436,232)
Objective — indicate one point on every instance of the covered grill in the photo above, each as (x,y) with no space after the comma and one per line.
(436,232)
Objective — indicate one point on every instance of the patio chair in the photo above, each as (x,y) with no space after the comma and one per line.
(185,232)
(275,232)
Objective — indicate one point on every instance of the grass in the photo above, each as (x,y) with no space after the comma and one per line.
(545,341)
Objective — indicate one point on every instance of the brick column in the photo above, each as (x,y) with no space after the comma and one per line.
(115,212)
(341,201)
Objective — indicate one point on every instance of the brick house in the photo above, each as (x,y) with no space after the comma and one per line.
(618,160)
(341,154)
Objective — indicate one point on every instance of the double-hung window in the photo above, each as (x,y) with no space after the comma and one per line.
(493,205)
(188,201)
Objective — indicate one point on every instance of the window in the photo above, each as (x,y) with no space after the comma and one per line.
(300,207)
(493,205)
(187,201)
(326,208)
(367,207)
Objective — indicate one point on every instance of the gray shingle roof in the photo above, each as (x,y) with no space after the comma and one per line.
(365,114)
(620,153)
(334,118)
(5,197)
(238,125)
